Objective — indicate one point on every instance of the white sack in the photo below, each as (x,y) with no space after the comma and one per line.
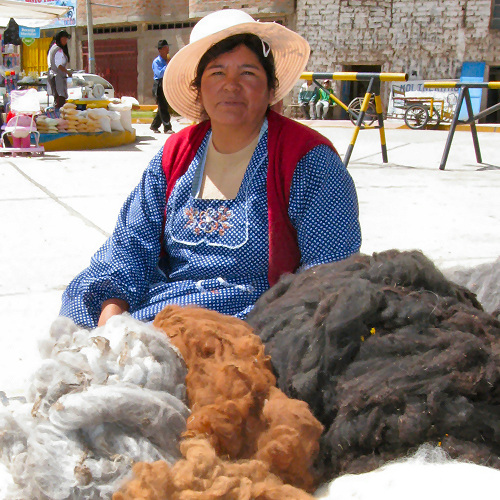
(125,110)
(115,118)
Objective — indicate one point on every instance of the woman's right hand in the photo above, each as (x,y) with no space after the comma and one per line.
(111,307)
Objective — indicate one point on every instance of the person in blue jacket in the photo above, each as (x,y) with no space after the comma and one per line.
(162,116)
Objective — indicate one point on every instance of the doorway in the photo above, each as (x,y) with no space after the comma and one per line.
(116,61)
(493,95)
(350,90)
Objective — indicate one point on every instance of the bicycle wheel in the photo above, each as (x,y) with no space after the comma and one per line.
(416,116)
(434,118)
(355,108)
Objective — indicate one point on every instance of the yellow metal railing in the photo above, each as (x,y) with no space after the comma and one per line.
(373,90)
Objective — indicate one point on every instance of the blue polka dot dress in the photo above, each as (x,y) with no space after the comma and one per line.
(217,249)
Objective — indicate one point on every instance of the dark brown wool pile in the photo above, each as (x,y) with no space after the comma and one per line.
(389,354)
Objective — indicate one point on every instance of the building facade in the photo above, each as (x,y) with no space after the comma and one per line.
(428,39)
(126,33)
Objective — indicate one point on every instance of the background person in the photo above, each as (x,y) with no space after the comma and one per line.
(159,66)
(308,96)
(57,61)
(230,204)
(324,100)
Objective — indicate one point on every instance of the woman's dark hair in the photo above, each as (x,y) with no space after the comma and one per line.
(253,42)
(57,40)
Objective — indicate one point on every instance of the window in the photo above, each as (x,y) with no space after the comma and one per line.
(171,26)
(495,15)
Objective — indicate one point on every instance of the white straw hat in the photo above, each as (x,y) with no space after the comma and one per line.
(290,52)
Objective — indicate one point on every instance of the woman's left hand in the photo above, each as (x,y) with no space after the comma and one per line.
(111,307)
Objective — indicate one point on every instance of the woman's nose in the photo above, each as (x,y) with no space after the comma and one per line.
(231,82)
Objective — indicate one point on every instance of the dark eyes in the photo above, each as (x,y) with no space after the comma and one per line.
(221,73)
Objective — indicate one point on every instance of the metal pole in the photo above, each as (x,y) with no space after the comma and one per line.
(380,115)
(359,123)
(90,35)
(472,121)
(453,126)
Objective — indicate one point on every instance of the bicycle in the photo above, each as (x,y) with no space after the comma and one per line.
(354,109)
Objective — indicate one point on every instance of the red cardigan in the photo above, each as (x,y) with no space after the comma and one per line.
(285,150)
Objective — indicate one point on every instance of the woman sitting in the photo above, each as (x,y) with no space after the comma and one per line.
(228,205)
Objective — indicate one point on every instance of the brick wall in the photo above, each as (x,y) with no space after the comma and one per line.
(431,37)
(133,11)
(256,8)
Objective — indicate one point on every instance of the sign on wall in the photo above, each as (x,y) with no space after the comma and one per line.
(415,88)
(27,32)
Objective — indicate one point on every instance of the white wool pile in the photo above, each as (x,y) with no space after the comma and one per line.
(5,480)
(483,280)
(429,474)
(100,401)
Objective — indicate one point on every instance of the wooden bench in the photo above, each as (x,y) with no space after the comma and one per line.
(293,110)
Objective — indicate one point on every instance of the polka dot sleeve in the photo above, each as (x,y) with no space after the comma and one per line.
(324,208)
(127,262)
(130,256)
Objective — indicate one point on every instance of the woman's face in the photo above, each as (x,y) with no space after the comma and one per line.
(64,40)
(234,89)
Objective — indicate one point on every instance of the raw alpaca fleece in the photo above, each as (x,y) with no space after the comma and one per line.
(429,474)
(202,475)
(389,355)
(100,401)
(484,281)
(238,411)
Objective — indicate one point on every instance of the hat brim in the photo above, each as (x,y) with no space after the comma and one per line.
(290,51)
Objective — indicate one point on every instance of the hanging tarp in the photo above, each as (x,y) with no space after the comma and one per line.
(29,14)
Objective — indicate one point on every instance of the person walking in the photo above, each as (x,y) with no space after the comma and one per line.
(159,66)
(57,61)
(324,100)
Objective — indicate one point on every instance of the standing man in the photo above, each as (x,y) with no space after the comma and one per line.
(159,66)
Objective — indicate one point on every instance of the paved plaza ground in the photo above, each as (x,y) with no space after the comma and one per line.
(56,210)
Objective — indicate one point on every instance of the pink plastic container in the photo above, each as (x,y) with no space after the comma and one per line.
(21,142)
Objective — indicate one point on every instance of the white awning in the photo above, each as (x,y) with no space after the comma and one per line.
(29,14)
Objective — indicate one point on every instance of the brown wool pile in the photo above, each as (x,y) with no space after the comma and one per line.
(244,437)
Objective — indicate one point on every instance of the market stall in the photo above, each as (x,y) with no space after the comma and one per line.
(89,120)
(12,14)
(86,124)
